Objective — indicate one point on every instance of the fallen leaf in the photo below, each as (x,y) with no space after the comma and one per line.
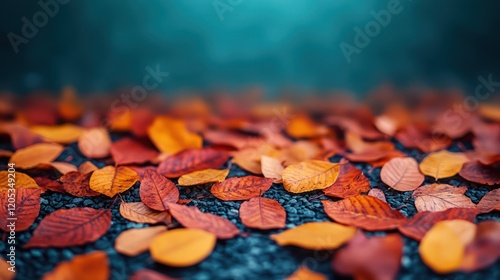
(310,175)
(316,236)
(301,126)
(377,257)
(366,212)
(271,168)
(20,135)
(442,164)
(304,273)
(418,226)
(46,183)
(77,184)
(480,173)
(203,177)
(249,158)
(356,144)
(378,193)
(70,108)
(483,250)
(402,174)
(241,188)
(147,274)
(228,138)
(128,151)
(182,247)
(21,180)
(62,167)
(490,202)
(87,167)
(156,191)
(262,213)
(192,217)
(172,136)
(111,181)
(138,212)
(439,197)
(61,134)
(22,211)
(298,152)
(136,241)
(91,266)
(70,227)
(350,182)
(5,273)
(94,143)
(33,155)
(190,161)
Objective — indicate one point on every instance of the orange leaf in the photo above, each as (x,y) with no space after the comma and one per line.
(147,274)
(31,156)
(70,227)
(316,236)
(94,143)
(249,159)
(190,161)
(271,168)
(22,180)
(136,241)
(138,212)
(87,167)
(77,184)
(366,212)
(128,151)
(378,257)
(442,164)
(304,273)
(490,202)
(70,108)
(302,126)
(172,136)
(402,174)
(192,217)
(91,266)
(480,173)
(62,134)
(423,221)
(182,247)
(7,272)
(439,197)
(350,182)
(110,180)
(262,213)
(27,207)
(156,191)
(310,175)
(482,251)
(203,177)
(241,188)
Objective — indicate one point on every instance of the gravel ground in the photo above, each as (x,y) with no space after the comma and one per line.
(253,257)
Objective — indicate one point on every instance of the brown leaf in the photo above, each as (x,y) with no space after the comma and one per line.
(439,197)
(111,181)
(378,193)
(33,155)
(27,207)
(192,217)
(156,191)
(350,182)
(310,175)
(70,227)
(271,168)
(262,213)
(128,151)
(136,241)
(490,202)
(364,211)
(46,183)
(91,266)
(480,173)
(442,164)
(483,250)
(203,177)
(94,143)
(241,188)
(378,257)
(77,184)
(418,226)
(402,174)
(138,212)
(304,273)
(190,161)
(172,136)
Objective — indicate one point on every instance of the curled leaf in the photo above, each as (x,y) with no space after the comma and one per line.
(490,202)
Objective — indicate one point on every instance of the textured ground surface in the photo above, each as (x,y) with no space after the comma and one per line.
(253,257)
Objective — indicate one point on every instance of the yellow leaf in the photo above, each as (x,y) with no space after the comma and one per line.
(310,175)
(316,236)
(21,181)
(442,164)
(182,247)
(172,136)
(62,134)
(203,177)
(110,180)
(33,155)
(136,241)
(304,273)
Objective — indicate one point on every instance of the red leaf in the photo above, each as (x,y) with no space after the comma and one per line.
(480,173)
(27,207)
(192,160)
(241,188)
(490,202)
(262,213)
(128,151)
(156,191)
(77,184)
(350,182)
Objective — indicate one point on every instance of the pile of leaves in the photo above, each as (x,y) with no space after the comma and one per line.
(161,148)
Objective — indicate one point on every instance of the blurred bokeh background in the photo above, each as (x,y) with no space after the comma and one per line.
(103,45)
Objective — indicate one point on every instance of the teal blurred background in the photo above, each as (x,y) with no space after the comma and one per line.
(103,45)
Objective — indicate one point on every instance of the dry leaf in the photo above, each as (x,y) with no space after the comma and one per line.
(241,188)
(111,181)
(156,191)
(304,273)
(442,164)
(490,202)
(147,274)
(138,212)
(316,236)
(172,136)
(366,212)
(350,182)
(249,159)
(483,250)
(70,108)
(94,143)
(62,134)
(136,241)
(310,175)
(128,151)
(192,217)
(190,161)
(77,184)
(25,210)
(182,247)
(480,173)
(378,257)
(21,180)
(33,155)
(70,227)
(402,174)
(262,213)
(46,183)
(5,273)
(62,167)
(203,177)
(91,266)
(271,168)
(20,135)
(87,167)
(378,193)
(439,197)
(302,126)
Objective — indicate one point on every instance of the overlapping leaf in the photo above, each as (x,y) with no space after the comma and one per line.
(111,181)
(156,191)
(138,212)
(136,241)
(310,175)
(480,173)
(439,197)
(203,177)
(442,164)
(91,266)
(351,181)
(241,188)
(172,136)
(77,184)
(190,161)
(33,155)
(22,212)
